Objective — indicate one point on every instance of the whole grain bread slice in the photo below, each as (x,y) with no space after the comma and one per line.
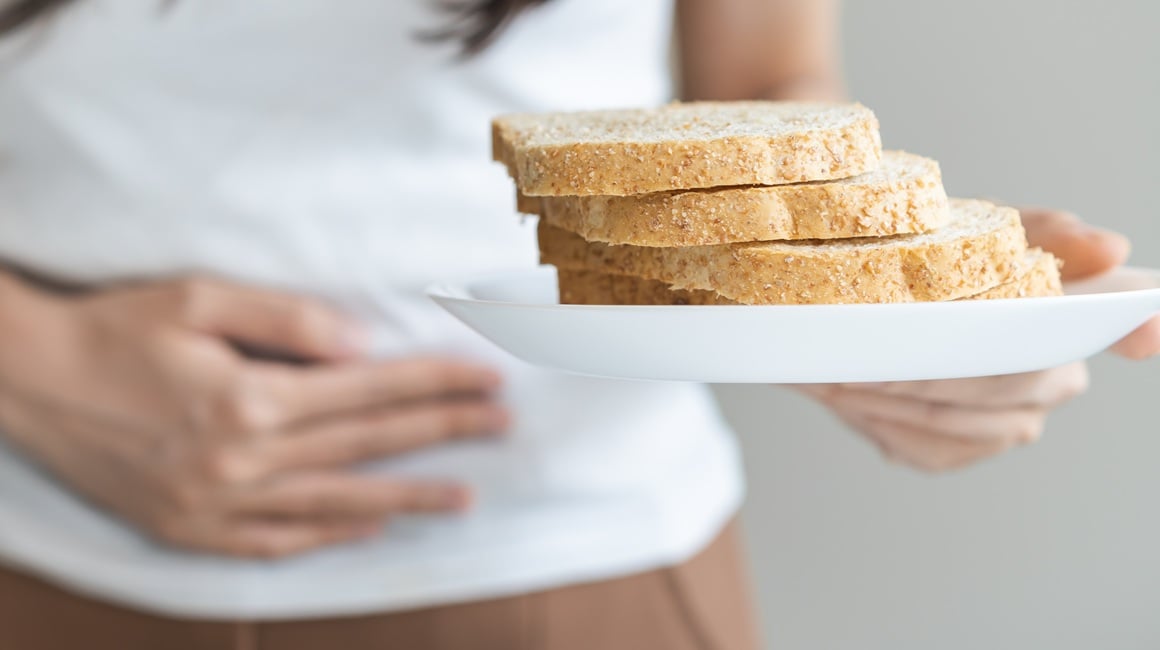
(599,288)
(1037,274)
(973,253)
(903,195)
(1037,277)
(685,146)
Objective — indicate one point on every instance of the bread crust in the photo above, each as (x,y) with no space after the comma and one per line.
(598,288)
(685,146)
(973,254)
(904,195)
(1037,275)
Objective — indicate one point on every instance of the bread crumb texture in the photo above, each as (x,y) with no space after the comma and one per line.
(904,195)
(980,248)
(755,203)
(685,146)
(1036,275)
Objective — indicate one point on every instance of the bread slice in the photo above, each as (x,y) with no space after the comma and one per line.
(598,288)
(903,195)
(1037,274)
(685,146)
(972,254)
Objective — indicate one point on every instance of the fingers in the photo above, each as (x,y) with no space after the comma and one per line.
(264,399)
(1088,251)
(267,320)
(1045,388)
(1020,422)
(313,392)
(270,539)
(927,450)
(385,432)
(1142,343)
(1085,250)
(942,425)
(344,497)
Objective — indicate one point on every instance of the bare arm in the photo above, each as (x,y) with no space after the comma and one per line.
(789,49)
(759,49)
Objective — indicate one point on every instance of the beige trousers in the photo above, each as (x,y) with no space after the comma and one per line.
(702,604)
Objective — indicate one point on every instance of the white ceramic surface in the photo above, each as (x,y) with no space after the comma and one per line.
(519,311)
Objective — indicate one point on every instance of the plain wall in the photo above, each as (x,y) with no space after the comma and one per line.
(1052,546)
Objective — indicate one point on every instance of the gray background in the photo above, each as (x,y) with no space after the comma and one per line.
(1053,546)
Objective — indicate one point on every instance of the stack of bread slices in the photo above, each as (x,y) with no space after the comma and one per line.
(755,203)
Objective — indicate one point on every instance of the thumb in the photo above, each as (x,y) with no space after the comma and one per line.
(1084,249)
(270,323)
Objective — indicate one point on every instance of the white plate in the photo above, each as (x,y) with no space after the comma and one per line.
(519,311)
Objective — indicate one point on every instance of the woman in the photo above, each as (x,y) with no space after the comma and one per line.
(231,420)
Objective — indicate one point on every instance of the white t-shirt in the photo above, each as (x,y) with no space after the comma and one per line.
(317,146)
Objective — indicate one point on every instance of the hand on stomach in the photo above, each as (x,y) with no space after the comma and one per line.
(141,400)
